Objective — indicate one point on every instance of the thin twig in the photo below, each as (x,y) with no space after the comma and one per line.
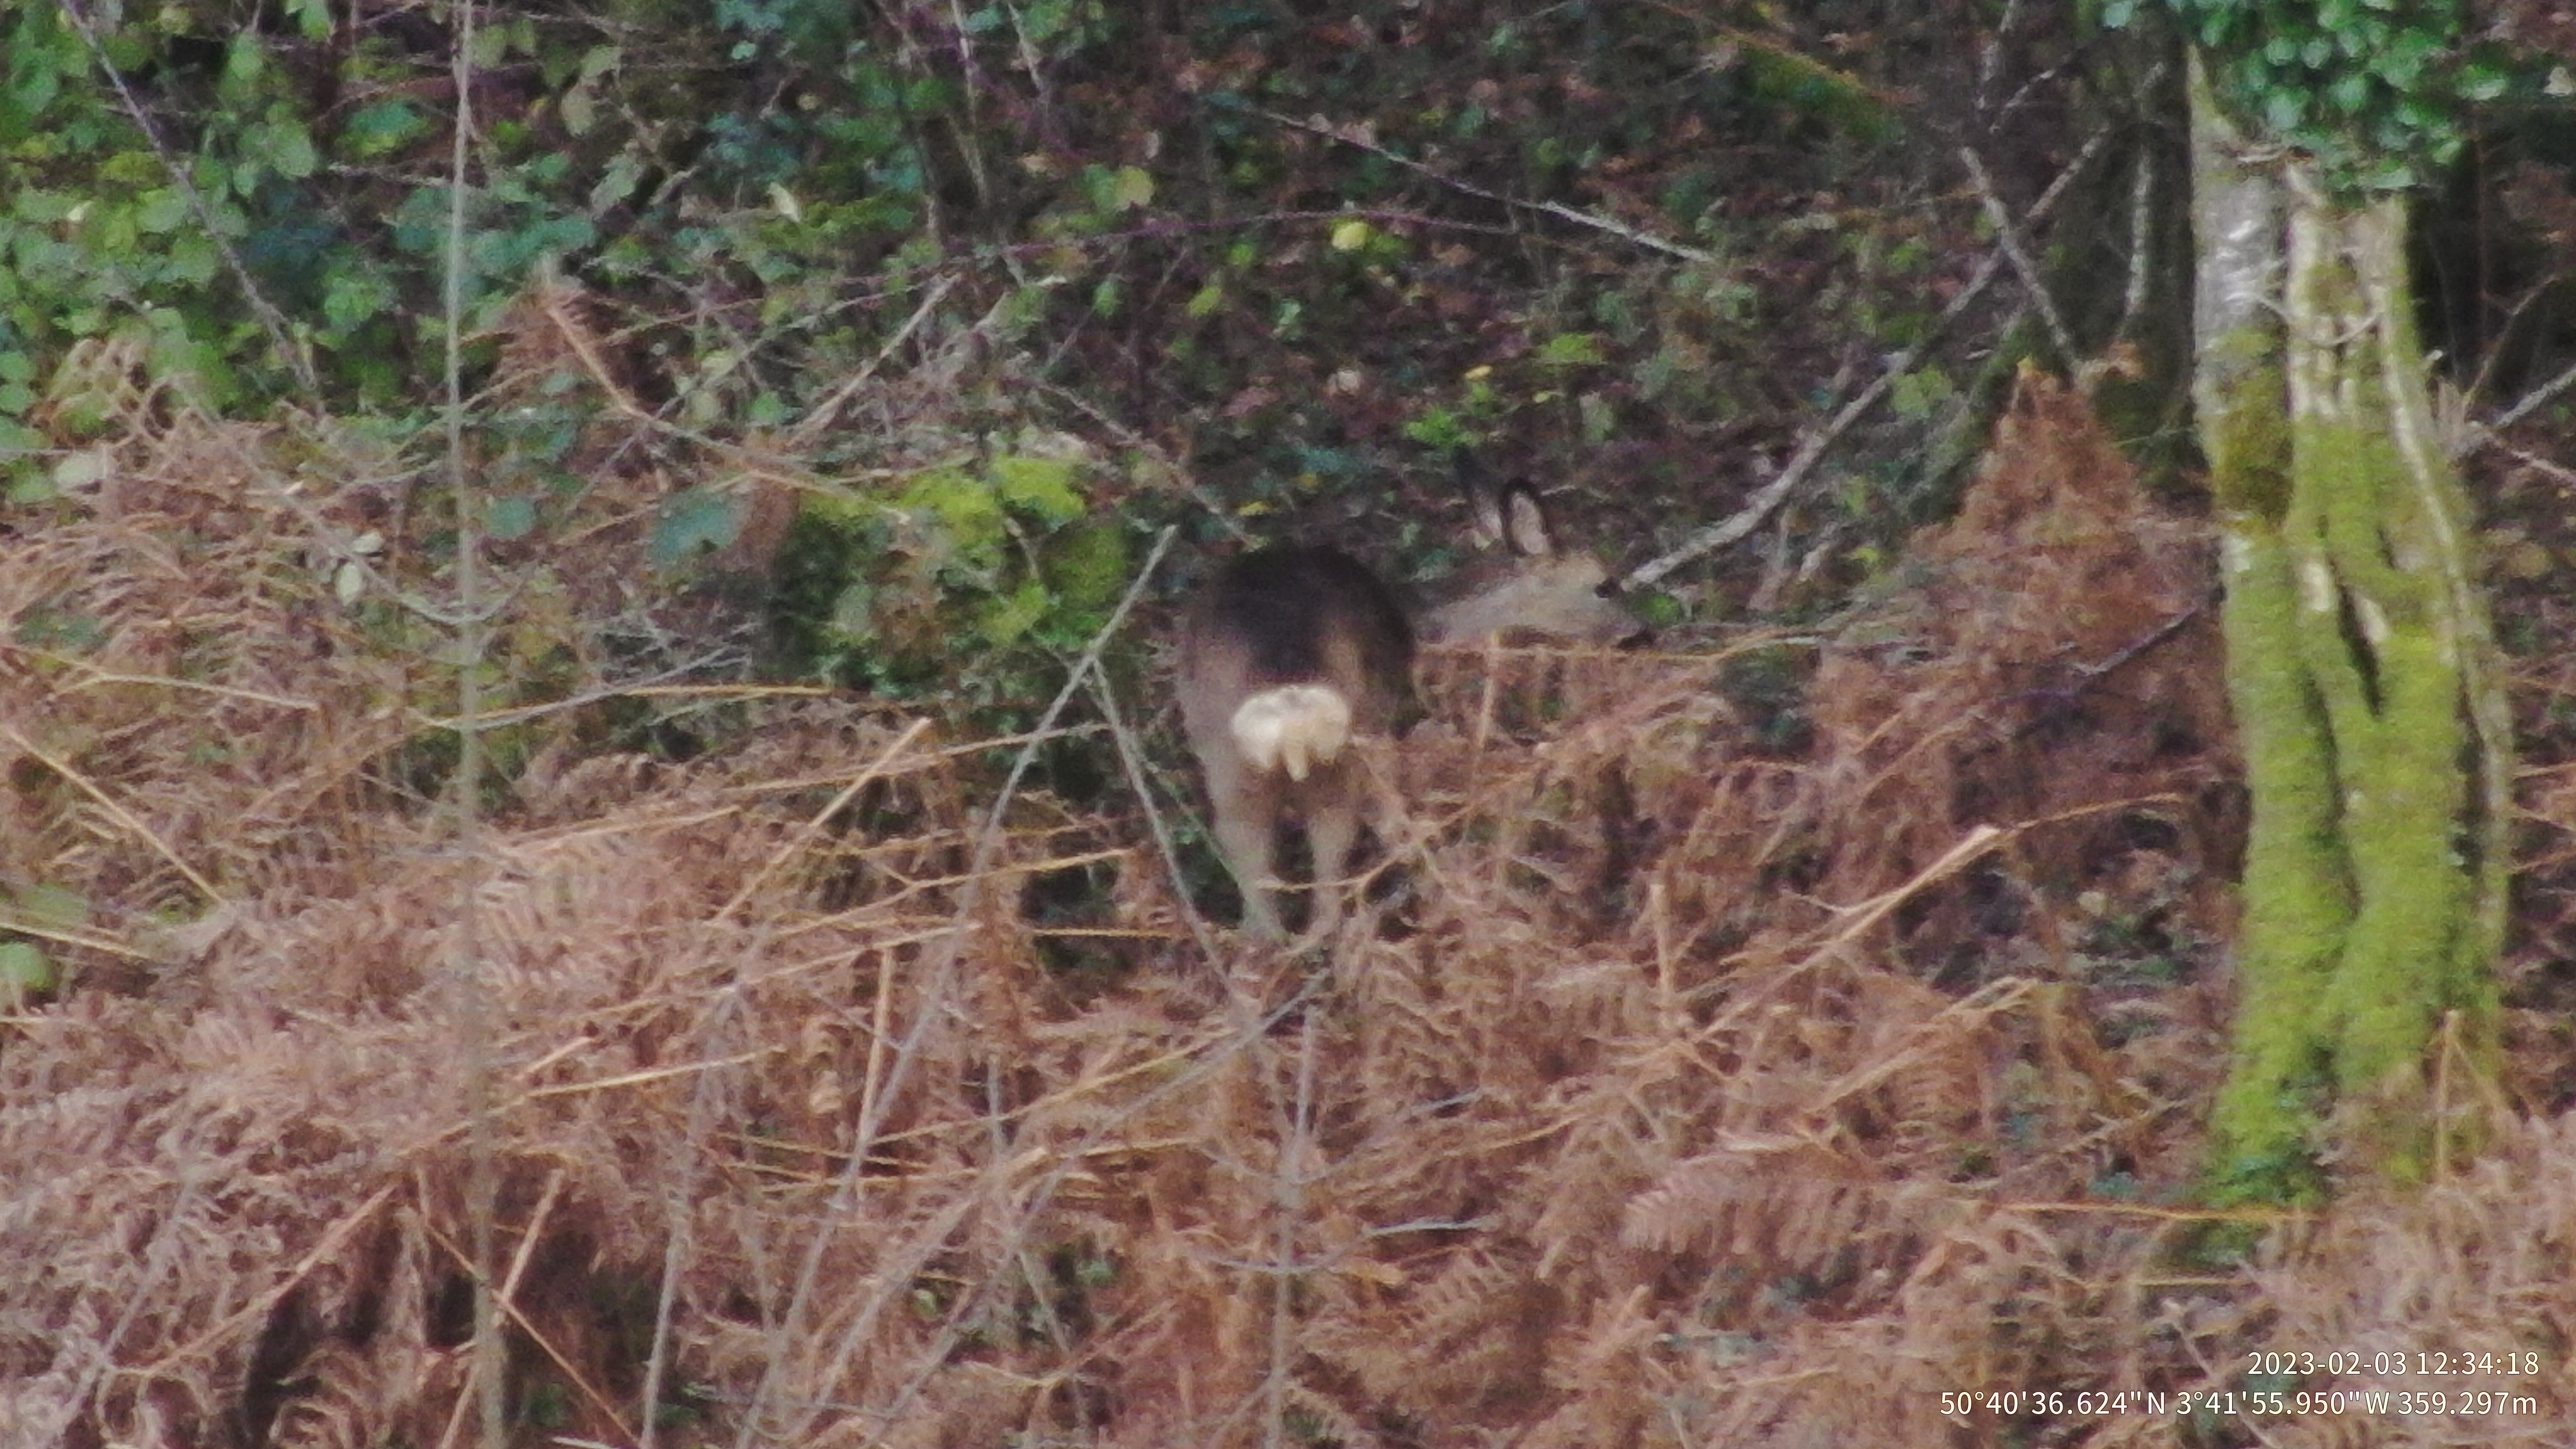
(1289,1183)
(2142,230)
(1562,212)
(647,1075)
(806,433)
(1178,471)
(1131,760)
(1852,922)
(507,1297)
(1082,668)
(2530,400)
(119,813)
(813,826)
(650,686)
(1217,1053)
(163,1253)
(469,1002)
(2093,673)
(2008,237)
(2545,289)
(2556,470)
(679,1201)
(17,925)
(1990,55)
(95,677)
(257,1310)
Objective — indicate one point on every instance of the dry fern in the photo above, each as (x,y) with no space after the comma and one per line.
(1679,1088)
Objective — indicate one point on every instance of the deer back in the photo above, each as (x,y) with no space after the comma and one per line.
(1312,629)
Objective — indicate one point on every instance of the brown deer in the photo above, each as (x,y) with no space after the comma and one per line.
(1290,652)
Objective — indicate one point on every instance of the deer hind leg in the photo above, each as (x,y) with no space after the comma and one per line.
(1332,828)
(1246,820)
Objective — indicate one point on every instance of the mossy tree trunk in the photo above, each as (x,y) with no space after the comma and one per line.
(2365,685)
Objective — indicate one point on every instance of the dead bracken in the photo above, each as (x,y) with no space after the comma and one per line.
(1737,1040)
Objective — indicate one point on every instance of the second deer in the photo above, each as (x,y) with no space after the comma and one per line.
(1291,652)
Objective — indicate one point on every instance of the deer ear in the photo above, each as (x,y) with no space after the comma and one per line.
(1526,523)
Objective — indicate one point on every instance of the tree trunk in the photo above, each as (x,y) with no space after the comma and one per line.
(2364,681)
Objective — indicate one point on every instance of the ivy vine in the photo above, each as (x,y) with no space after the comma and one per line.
(2378,91)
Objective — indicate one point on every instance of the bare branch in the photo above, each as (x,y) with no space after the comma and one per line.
(1598,223)
(2531,400)
(2008,239)
(1771,495)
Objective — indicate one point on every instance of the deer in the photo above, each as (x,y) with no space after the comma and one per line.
(1292,652)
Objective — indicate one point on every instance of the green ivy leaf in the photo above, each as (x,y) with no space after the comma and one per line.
(381,128)
(1438,429)
(617,181)
(80,470)
(163,210)
(244,63)
(353,296)
(853,618)
(56,906)
(193,258)
(1918,392)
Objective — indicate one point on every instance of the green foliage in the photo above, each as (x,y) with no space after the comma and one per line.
(293,172)
(770,198)
(772,194)
(2376,90)
(963,584)
(94,228)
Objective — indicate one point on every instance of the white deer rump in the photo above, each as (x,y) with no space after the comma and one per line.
(1293,728)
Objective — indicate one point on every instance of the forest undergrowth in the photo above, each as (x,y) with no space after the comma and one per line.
(1745,1042)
